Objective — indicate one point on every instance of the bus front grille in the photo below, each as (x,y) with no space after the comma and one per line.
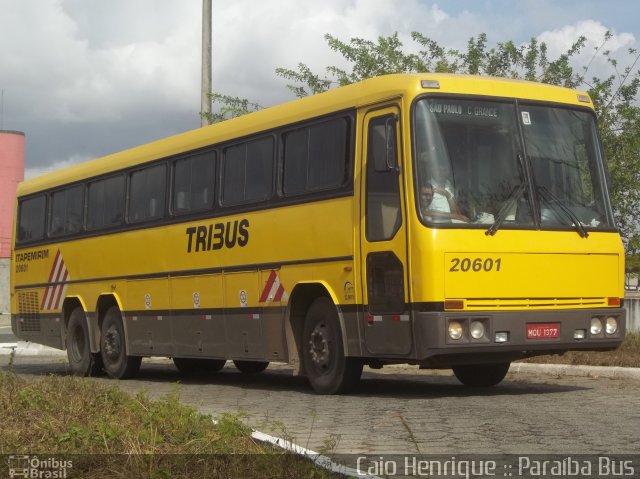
(533,303)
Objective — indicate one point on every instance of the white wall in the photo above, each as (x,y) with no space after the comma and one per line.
(632,305)
(4,285)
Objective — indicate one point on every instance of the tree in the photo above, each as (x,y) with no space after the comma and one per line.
(368,59)
(632,264)
(615,97)
(619,121)
(230,107)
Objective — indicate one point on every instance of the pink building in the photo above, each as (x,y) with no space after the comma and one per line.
(11,173)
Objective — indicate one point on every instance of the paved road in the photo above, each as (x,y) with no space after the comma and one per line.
(407,411)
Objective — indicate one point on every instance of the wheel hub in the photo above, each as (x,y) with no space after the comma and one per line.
(112,344)
(319,346)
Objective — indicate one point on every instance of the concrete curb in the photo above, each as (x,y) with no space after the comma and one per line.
(24,348)
(581,371)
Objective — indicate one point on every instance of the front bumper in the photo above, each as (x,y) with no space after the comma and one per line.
(435,348)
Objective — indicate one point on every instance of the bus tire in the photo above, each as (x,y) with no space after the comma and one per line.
(188,366)
(116,362)
(481,375)
(327,368)
(250,367)
(82,361)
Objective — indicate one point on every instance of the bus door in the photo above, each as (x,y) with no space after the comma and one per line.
(387,328)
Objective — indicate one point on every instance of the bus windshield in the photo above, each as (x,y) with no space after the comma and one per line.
(473,169)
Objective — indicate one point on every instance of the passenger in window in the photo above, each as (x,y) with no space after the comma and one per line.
(441,182)
(437,204)
(57,226)
(73,224)
(443,204)
(24,234)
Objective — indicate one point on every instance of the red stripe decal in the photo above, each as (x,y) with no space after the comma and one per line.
(49,290)
(53,267)
(44,297)
(279,293)
(61,288)
(60,270)
(267,288)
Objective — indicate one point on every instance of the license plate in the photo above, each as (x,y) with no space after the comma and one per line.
(543,331)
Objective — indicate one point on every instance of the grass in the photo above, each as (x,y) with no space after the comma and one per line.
(627,355)
(111,434)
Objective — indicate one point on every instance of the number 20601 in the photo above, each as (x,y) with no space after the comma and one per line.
(475,265)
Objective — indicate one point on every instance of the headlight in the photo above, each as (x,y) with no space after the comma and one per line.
(596,326)
(476,329)
(612,325)
(455,330)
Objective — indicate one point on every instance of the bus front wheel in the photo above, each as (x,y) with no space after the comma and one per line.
(328,369)
(81,360)
(481,375)
(117,363)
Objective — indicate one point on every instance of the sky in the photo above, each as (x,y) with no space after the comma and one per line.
(85,78)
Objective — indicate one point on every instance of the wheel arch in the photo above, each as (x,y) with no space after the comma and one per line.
(300,299)
(68,306)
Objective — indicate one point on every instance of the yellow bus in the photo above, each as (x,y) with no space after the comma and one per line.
(446,221)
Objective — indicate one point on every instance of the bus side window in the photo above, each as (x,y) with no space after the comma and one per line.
(247,175)
(193,182)
(147,193)
(105,202)
(66,211)
(31,219)
(383,191)
(316,157)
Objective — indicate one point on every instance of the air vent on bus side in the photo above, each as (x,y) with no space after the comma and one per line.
(28,311)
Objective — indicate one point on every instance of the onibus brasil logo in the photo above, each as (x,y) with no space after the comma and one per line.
(37,468)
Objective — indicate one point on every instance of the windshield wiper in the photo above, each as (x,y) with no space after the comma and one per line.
(516,194)
(553,200)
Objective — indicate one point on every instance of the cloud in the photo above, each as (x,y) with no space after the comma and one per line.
(85,61)
(84,78)
(41,170)
(70,77)
(560,40)
(252,39)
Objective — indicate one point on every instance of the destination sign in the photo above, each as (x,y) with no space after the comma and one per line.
(464,109)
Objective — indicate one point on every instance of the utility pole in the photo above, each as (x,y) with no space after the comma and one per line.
(205,102)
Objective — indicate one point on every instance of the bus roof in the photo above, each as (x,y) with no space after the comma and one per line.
(351,96)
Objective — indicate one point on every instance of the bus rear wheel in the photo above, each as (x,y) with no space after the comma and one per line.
(250,367)
(117,363)
(481,375)
(328,370)
(82,361)
(198,365)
